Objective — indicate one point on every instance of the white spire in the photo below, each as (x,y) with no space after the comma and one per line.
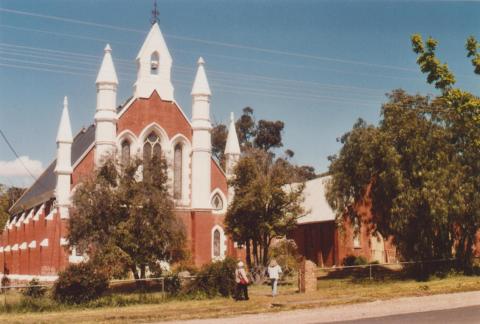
(64,134)
(232,146)
(107,73)
(200,85)
(154,64)
(154,41)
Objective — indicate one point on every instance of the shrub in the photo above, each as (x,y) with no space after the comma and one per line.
(5,282)
(172,284)
(214,279)
(34,289)
(352,260)
(79,283)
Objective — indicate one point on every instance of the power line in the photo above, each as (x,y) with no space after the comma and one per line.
(210,42)
(92,58)
(219,88)
(18,157)
(94,65)
(230,57)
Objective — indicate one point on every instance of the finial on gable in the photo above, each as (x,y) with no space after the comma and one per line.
(64,134)
(200,84)
(232,117)
(155,13)
(107,49)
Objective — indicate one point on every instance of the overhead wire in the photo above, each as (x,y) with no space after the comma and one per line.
(230,57)
(218,87)
(210,42)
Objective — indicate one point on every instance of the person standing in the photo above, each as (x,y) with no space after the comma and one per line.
(242,282)
(274,271)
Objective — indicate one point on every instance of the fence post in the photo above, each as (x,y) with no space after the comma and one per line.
(163,286)
(370,271)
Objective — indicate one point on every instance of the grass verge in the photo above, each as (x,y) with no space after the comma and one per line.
(127,308)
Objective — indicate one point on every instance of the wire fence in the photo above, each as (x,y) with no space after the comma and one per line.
(320,271)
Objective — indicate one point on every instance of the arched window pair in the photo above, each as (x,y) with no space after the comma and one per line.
(152,147)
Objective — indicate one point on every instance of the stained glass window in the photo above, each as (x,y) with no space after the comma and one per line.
(125,151)
(177,172)
(152,146)
(216,243)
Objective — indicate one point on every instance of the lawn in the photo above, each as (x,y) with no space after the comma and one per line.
(330,292)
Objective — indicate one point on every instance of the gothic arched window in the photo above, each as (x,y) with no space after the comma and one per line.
(217,202)
(125,151)
(216,243)
(177,172)
(154,63)
(151,146)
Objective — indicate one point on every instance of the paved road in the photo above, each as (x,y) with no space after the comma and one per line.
(445,308)
(464,315)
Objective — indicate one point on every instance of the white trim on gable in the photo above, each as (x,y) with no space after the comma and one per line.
(84,154)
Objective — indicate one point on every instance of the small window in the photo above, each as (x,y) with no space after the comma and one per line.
(154,63)
(217,202)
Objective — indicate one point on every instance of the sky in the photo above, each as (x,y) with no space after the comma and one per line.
(316,65)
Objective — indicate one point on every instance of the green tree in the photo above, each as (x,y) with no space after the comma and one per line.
(8,196)
(219,140)
(125,213)
(437,72)
(420,167)
(264,134)
(472,47)
(266,204)
(246,128)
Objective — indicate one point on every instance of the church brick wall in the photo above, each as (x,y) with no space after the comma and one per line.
(143,112)
(84,168)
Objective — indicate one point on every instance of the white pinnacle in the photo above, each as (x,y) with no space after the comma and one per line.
(64,134)
(232,146)
(200,85)
(107,73)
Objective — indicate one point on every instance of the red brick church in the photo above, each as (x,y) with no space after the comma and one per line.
(33,242)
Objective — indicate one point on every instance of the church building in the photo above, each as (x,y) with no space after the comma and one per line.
(33,242)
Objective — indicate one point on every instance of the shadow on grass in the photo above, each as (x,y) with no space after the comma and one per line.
(376,272)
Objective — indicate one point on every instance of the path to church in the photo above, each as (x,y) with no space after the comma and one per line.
(446,308)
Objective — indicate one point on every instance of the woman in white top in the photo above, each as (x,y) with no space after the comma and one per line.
(274,271)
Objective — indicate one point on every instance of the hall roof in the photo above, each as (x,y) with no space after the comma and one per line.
(315,204)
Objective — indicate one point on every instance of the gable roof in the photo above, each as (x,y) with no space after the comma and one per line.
(44,187)
(315,204)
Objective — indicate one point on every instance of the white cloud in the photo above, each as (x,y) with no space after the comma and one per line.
(15,168)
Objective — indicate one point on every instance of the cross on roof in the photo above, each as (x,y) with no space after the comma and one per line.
(155,13)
